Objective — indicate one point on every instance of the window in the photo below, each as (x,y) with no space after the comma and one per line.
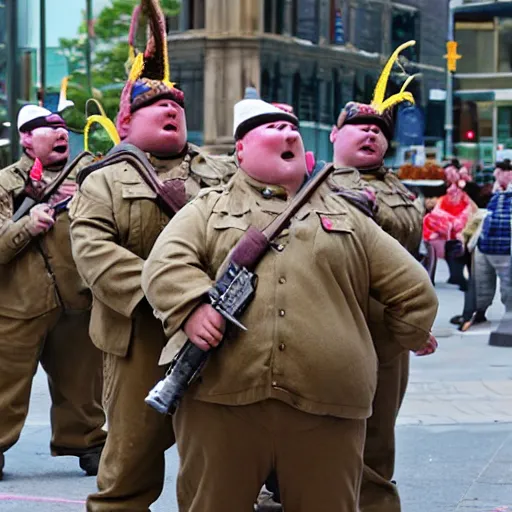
(274,16)
(196,14)
(505,45)
(476,45)
(368,28)
(405,24)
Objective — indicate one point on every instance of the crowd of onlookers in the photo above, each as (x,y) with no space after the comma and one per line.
(467,223)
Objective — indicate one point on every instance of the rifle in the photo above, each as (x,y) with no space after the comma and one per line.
(230,296)
(171,193)
(42,194)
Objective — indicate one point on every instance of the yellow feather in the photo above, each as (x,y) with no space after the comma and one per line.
(137,68)
(408,81)
(106,123)
(382,83)
(64,86)
(131,55)
(98,105)
(396,98)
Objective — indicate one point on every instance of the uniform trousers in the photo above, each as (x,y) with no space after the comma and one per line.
(378,492)
(488,268)
(227,452)
(132,465)
(60,342)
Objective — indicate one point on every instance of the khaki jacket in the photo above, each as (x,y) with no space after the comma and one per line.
(115,222)
(37,274)
(307,342)
(398,213)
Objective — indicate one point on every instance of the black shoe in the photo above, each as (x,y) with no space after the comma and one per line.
(480,317)
(90,461)
(457,320)
(2,462)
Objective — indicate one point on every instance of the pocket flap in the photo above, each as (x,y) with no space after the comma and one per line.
(335,222)
(395,200)
(137,191)
(230,221)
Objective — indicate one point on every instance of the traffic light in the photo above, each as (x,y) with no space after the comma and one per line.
(470,135)
(452,56)
(465,121)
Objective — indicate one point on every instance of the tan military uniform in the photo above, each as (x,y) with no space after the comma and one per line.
(44,317)
(115,224)
(401,217)
(292,392)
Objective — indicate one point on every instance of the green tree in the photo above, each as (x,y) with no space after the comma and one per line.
(110,54)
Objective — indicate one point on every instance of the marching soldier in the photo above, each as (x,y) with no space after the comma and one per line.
(292,393)
(360,140)
(44,304)
(117,217)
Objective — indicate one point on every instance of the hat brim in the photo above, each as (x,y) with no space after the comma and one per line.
(268,117)
(372,119)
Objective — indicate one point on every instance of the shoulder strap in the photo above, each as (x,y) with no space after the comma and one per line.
(171,195)
(281,221)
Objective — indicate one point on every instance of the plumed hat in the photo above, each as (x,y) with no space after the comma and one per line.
(149,77)
(380,110)
(251,113)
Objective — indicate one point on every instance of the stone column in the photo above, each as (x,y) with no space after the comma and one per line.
(232,61)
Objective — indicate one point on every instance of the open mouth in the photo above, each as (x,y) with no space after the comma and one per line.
(170,128)
(368,149)
(287,155)
(60,149)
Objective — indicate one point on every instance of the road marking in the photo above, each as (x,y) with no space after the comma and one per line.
(20,497)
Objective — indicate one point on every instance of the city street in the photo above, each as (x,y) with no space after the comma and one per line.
(454,434)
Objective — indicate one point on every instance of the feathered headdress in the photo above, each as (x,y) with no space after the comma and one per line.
(379,111)
(149,77)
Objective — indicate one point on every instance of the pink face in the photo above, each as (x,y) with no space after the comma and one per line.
(503,178)
(362,146)
(273,153)
(50,145)
(159,128)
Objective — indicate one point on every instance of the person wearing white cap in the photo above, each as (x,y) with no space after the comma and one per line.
(291,393)
(44,304)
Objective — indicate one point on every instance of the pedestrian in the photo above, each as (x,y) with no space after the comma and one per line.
(117,217)
(44,304)
(291,393)
(360,139)
(443,226)
(492,253)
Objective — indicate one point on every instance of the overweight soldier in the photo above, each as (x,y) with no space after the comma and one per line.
(117,217)
(291,393)
(44,304)
(360,140)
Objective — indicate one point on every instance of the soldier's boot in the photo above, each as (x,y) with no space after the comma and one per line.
(90,461)
(2,463)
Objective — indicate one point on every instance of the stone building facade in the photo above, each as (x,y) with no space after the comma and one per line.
(313,54)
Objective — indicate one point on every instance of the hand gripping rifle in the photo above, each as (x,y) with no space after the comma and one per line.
(36,195)
(230,296)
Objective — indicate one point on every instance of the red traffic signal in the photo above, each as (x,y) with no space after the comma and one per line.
(470,135)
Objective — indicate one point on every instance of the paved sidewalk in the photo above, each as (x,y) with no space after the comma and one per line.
(454,439)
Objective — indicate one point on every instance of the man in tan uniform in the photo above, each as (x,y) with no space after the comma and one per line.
(116,220)
(44,304)
(360,140)
(292,393)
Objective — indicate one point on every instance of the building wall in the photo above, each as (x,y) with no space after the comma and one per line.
(296,62)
